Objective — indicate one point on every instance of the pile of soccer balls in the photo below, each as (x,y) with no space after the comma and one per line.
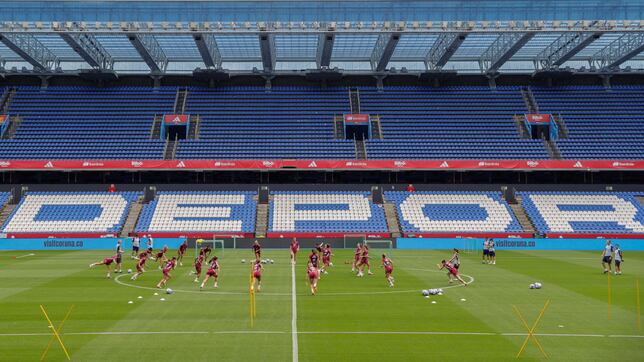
(536,285)
(428,292)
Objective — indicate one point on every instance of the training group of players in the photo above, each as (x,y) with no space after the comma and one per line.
(314,267)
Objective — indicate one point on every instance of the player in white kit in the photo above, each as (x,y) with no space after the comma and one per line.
(607,254)
(618,260)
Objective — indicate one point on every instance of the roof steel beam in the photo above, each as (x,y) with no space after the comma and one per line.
(208,49)
(614,54)
(325,49)
(90,49)
(564,48)
(502,49)
(150,51)
(443,49)
(384,49)
(31,50)
(267,48)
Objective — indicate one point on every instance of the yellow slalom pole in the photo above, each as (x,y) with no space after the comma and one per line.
(55,332)
(637,291)
(609,296)
(53,338)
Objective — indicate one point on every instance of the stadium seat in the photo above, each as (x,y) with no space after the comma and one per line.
(601,124)
(250,123)
(448,123)
(584,212)
(70,212)
(87,123)
(329,211)
(216,211)
(453,211)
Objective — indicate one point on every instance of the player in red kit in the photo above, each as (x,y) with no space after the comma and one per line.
(140,265)
(182,250)
(107,262)
(295,247)
(169,266)
(257,275)
(451,269)
(314,260)
(198,263)
(205,251)
(326,258)
(213,271)
(356,257)
(161,258)
(364,260)
(389,269)
(257,249)
(313,275)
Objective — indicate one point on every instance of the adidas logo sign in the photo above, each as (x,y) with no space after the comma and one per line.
(49,165)
(176,119)
(444,164)
(578,165)
(313,164)
(181,165)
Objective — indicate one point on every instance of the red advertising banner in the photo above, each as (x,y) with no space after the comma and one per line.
(538,118)
(175,119)
(586,165)
(356,118)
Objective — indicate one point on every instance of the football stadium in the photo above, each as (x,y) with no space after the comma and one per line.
(306,180)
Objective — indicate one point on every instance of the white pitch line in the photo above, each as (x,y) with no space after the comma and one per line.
(555,335)
(24,256)
(437,333)
(408,333)
(294,315)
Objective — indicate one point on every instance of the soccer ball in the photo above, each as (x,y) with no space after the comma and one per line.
(272,261)
(537,285)
(169,291)
(440,290)
(426,292)
(129,271)
(532,286)
(243,261)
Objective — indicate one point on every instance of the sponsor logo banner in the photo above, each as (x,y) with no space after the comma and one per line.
(356,118)
(537,118)
(175,119)
(324,164)
(77,243)
(515,243)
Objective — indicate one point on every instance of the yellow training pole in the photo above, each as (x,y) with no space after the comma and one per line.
(609,296)
(637,291)
(527,338)
(55,332)
(53,338)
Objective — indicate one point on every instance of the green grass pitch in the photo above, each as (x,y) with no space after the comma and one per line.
(351,319)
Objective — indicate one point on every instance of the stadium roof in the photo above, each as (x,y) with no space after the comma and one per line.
(65,37)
